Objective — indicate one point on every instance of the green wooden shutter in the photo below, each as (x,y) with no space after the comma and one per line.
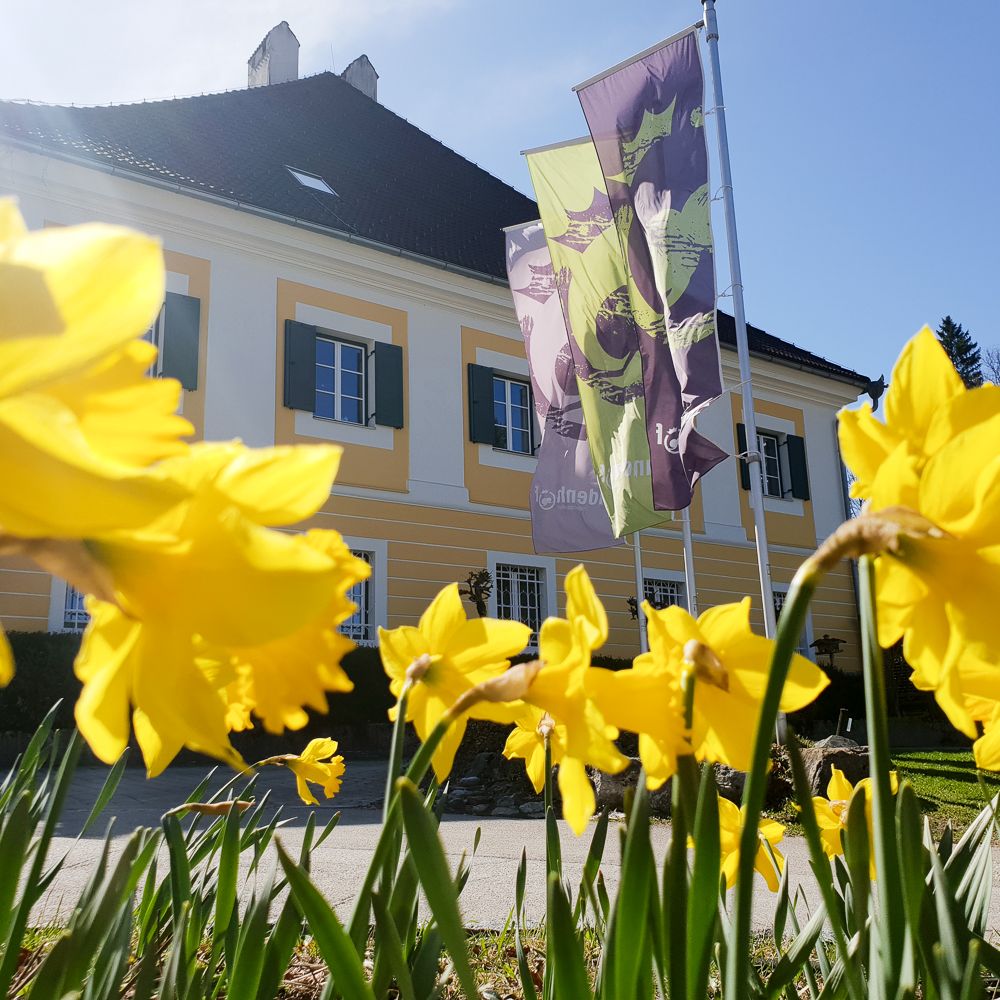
(741,447)
(181,333)
(300,366)
(388,384)
(797,471)
(481,404)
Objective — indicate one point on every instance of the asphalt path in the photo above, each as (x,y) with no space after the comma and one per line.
(339,864)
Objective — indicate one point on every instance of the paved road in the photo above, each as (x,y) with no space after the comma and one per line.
(339,864)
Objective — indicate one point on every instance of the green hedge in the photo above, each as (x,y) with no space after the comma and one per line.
(45,674)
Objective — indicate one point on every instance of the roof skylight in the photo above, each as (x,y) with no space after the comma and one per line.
(313,181)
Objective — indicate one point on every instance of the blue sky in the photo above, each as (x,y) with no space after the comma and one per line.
(865,137)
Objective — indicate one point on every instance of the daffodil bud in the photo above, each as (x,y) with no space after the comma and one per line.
(707,666)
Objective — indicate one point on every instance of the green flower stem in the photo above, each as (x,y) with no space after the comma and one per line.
(892,914)
(396,749)
(548,771)
(793,616)
(415,773)
(821,867)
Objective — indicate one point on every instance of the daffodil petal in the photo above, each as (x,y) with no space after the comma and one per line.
(577,794)
(584,606)
(6,660)
(865,443)
(923,383)
(91,288)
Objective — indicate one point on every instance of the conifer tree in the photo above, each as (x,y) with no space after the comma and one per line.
(963,351)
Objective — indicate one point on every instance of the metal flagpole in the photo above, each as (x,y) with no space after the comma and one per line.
(749,421)
(639,591)
(689,577)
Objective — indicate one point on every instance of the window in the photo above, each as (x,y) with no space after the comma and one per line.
(779,597)
(511,415)
(75,617)
(155,336)
(770,464)
(313,181)
(663,593)
(340,381)
(520,594)
(360,626)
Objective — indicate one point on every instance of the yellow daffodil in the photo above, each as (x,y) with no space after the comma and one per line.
(769,835)
(454,654)
(728,665)
(933,468)
(215,615)
(560,689)
(318,765)
(78,416)
(831,812)
(527,741)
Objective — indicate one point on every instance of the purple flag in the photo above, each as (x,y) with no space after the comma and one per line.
(567,510)
(647,122)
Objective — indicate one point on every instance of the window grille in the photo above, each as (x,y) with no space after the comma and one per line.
(521,596)
(340,381)
(75,617)
(360,626)
(511,415)
(663,593)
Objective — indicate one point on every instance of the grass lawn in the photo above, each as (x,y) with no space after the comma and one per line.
(947,784)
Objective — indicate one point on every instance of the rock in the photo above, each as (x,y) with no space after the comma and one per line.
(506,801)
(609,790)
(471,781)
(730,782)
(832,742)
(535,808)
(482,764)
(820,761)
(506,811)
(480,809)
(458,795)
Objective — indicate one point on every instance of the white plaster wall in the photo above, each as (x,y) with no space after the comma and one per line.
(240,376)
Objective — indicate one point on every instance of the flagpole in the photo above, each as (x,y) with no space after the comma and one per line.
(689,577)
(639,592)
(753,454)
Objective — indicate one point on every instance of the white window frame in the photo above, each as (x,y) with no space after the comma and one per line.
(804,648)
(781,474)
(377,550)
(544,563)
(57,607)
(654,576)
(509,429)
(337,393)
(310,180)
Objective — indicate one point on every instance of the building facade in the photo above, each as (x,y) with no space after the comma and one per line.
(292,316)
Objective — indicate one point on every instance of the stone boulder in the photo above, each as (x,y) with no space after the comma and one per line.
(819,762)
(835,742)
(609,790)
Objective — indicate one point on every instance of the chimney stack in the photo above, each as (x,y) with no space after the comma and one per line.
(276,59)
(361,76)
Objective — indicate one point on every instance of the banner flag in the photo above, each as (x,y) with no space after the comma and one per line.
(647,123)
(591,281)
(567,509)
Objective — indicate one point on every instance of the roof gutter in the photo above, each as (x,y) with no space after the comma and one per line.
(241,206)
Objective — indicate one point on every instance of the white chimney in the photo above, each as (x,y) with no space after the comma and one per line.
(276,59)
(361,76)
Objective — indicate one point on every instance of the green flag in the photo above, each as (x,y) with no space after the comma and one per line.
(593,288)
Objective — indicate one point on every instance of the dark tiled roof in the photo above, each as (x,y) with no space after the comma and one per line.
(395,185)
(764,344)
